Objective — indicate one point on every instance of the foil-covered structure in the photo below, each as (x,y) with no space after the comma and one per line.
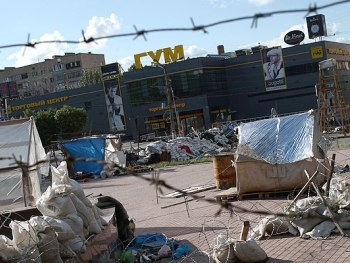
(273,153)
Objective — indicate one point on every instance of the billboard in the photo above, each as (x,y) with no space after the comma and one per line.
(316,26)
(273,67)
(113,95)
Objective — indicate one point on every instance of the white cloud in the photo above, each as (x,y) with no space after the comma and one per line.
(220,3)
(260,2)
(195,51)
(28,55)
(99,27)
(126,62)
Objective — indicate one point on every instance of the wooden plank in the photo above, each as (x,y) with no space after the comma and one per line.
(191,190)
(231,194)
(245,230)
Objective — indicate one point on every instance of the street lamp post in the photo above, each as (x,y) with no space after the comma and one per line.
(170,99)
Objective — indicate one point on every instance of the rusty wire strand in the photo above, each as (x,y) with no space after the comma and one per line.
(309,10)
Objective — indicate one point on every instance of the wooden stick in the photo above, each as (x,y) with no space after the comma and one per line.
(245,230)
(326,205)
(183,202)
(304,187)
(330,174)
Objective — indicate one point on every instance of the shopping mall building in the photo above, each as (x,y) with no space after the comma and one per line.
(200,92)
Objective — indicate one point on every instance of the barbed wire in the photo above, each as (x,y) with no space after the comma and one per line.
(312,8)
(210,229)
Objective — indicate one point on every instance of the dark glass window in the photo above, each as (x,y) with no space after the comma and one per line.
(302,69)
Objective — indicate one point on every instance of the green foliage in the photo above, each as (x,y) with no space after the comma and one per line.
(185,162)
(90,77)
(46,125)
(29,113)
(53,124)
(70,120)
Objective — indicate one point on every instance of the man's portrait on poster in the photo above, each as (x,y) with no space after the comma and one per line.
(115,107)
(273,66)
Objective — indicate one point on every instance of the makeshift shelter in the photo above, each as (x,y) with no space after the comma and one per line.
(91,153)
(272,154)
(22,161)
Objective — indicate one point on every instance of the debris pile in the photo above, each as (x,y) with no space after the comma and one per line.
(314,217)
(209,142)
(153,247)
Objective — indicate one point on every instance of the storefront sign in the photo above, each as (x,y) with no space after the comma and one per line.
(316,52)
(294,37)
(338,51)
(160,108)
(169,55)
(36,104)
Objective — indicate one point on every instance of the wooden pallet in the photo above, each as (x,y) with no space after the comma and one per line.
(231,194)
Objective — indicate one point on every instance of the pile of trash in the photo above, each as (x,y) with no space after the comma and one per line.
(315,217)
(211,142)
(153,247)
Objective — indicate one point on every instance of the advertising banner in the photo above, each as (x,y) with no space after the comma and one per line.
(273,67)
(113,94)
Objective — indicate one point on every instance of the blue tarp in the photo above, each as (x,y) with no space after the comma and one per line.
(89,147)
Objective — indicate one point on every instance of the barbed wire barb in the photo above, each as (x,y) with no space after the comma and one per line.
(197,28)
(90,39)
(256,17)
(312,8)
(139,33)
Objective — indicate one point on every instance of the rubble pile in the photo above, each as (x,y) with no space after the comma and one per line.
(210,142)
(313,217)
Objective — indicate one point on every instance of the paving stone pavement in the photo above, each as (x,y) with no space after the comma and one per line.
(202,219)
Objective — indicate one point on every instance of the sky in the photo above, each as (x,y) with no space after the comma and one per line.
(42,20)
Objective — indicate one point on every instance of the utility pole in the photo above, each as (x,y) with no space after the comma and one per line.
(170,99)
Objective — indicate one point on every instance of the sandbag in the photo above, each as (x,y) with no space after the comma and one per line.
(61,180)
(87,215)
(249,252)
(8,251)
(48,247)
(223,249)
(52,204)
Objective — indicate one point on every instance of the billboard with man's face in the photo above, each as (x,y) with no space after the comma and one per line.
(273,67)
(114,102)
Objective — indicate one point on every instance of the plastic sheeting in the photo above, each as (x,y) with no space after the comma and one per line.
(20,141)
(279,140)
(87,148)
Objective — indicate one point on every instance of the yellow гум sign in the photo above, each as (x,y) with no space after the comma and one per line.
(169,55)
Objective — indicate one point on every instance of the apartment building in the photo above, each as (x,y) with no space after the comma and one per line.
(61,72)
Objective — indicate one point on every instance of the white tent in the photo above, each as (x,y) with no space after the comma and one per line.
(22,157)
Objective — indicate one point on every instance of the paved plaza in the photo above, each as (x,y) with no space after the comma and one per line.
(199,220)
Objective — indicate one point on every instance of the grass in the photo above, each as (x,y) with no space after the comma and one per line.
(185,162)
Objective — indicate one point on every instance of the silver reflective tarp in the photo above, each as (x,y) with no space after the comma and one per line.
(278,140)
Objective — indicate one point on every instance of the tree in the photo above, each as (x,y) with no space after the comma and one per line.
(90,77)
(70,121)
(46,125)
